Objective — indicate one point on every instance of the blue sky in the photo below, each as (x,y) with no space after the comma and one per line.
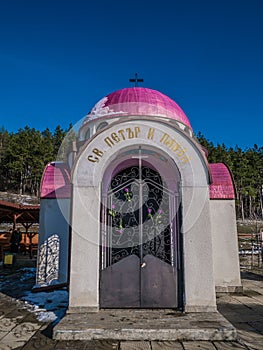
(58,58)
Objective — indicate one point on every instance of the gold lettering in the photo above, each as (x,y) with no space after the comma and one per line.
(164,138)
(185,159)
(109,141)
(151,132)
(167,140)
(175,147)
(170,143)
(137,131)
(115,137)
(122,134)
(93,159)
(130,133)
(181,152)
(97,152)
(134,132)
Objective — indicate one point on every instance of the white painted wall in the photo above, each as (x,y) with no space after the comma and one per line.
(84,274)
(225,245)
(198,254)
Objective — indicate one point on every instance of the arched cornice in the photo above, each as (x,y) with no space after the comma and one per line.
(96,154)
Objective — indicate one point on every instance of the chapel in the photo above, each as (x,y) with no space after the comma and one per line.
(135,216)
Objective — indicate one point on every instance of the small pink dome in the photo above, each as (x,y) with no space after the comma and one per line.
(222,186)
(138,101)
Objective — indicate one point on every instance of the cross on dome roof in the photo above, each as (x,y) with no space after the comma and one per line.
(136,80)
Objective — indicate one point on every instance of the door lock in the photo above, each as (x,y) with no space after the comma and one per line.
(143,264)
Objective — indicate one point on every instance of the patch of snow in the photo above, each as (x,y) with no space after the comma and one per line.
(18,198)
(46,316)
(47,284)
(250,252)
(100,110)
(47,306)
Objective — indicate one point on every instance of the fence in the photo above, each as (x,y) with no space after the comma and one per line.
(251,252)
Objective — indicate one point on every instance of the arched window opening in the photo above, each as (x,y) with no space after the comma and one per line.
(102,125)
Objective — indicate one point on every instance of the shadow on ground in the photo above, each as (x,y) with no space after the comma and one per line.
(16,282)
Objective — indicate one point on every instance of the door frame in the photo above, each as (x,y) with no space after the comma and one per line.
(175,224)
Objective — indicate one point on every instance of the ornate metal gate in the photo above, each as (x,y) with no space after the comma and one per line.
(139,241)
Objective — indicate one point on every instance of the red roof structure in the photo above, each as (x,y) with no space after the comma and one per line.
(18,213)
(56,181)
(222,186)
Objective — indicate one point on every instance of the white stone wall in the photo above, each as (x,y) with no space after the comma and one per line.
(84,274)
(225,246)
(198,254)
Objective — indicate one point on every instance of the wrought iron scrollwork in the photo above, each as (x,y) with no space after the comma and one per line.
(48,260)
(138,216)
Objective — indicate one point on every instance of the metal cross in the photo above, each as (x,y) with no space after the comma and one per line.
(136,80)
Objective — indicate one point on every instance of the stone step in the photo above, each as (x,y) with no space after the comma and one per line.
(142,325)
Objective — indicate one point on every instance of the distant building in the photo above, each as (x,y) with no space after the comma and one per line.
(137,217)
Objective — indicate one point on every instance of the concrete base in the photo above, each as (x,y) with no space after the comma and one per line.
(165,324)
(82,309)
(229,289)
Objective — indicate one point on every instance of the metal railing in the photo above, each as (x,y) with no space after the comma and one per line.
(251,251)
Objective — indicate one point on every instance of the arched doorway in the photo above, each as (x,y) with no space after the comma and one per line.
(91,181)
(140,241)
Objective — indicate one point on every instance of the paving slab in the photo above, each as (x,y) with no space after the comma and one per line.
(135,345)
(257,325)
(257,298)
(24,331)
(7,344)
(19,335)
(7,324)
(144,324)
(254,340)
(86,345)
(195,345)
(6,307)
(2,334)
(16,314)
(40,342)
(167,345)
(229,346)
(251,303)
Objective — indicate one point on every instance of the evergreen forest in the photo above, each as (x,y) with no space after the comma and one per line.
(24,154)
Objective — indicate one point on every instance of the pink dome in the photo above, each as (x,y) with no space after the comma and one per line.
(222,186)
(138,101)
(55,181)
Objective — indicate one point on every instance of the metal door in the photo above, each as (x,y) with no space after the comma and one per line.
(139,242)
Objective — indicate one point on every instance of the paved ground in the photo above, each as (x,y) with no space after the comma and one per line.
(19,329)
